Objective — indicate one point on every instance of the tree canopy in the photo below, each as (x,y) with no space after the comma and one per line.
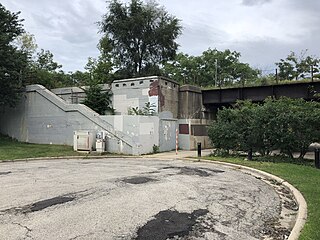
(141,36)
(212,68)
(12,60)
(297,67)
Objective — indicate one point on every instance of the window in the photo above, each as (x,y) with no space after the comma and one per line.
(124,85)
(183,128)
(141,82)
(132,84)
(117,85)
(199,130)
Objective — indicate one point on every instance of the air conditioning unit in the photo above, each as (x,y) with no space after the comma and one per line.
(83,140)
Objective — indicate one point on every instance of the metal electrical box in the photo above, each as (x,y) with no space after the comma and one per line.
(83,140)
(101,141)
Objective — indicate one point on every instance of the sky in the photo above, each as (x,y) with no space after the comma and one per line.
(263,31)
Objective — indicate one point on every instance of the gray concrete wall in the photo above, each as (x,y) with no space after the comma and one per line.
(190,102)
(196,132)
(144,130)
(75,94)
(43,117)
(136,92)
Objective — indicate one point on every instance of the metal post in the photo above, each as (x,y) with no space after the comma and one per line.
(250,154)
(199,149)
(317,158)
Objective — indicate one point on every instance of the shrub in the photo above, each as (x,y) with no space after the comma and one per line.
(288,125)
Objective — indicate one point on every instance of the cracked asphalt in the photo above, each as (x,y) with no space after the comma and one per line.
(137,199)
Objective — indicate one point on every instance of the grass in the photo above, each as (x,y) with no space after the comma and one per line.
(267,82)
(11,149)
(303,177)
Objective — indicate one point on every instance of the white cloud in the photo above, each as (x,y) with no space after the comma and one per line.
(262,30)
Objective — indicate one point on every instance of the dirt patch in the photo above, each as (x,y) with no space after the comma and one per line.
(138,180)
(202,172)
(169,224)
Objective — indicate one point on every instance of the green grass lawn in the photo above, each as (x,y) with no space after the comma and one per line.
(303,177)
(11,149)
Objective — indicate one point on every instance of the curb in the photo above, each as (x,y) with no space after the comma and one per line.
(66,157)
(302,212)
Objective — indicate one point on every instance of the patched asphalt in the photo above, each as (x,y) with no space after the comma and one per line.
(139,199)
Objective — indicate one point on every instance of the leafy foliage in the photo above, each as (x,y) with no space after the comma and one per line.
(288,125)
(212,68)
(140,36)
(297,67)
(98,100)
(148,110)
(12,60)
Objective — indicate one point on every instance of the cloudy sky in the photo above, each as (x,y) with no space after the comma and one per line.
(262,30)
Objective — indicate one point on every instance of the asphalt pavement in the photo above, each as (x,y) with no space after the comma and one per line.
(138,198)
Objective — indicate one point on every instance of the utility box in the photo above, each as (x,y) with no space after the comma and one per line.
(101,141)
(83,140)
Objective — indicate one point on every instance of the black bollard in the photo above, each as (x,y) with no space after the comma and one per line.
(317,158)
(250,154)
(199,149)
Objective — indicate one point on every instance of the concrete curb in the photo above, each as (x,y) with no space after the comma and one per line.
(66,157)
(302,212)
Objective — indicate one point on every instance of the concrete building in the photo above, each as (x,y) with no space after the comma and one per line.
(53,117)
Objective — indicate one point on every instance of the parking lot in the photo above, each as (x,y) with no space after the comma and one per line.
(135,198)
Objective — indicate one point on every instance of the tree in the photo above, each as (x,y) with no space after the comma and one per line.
(12,60)
(98,100)
(141,36)
(44,61)
(212,68)
(297,67)
(26,42)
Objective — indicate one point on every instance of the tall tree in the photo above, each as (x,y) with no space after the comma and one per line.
(26,42)
(212,68)
(141,36)
(12,60)
(297,67)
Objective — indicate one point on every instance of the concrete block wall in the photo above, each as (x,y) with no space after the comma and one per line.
(43,117)
(136,92)
(144,130)
(193,131)
(75,94)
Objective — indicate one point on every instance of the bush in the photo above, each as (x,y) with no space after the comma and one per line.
(288,125)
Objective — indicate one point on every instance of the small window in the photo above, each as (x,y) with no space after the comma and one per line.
(174,86)
(132,84)
(141,82)
(117,85)
(124,85)
(166,83)
(151,80)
